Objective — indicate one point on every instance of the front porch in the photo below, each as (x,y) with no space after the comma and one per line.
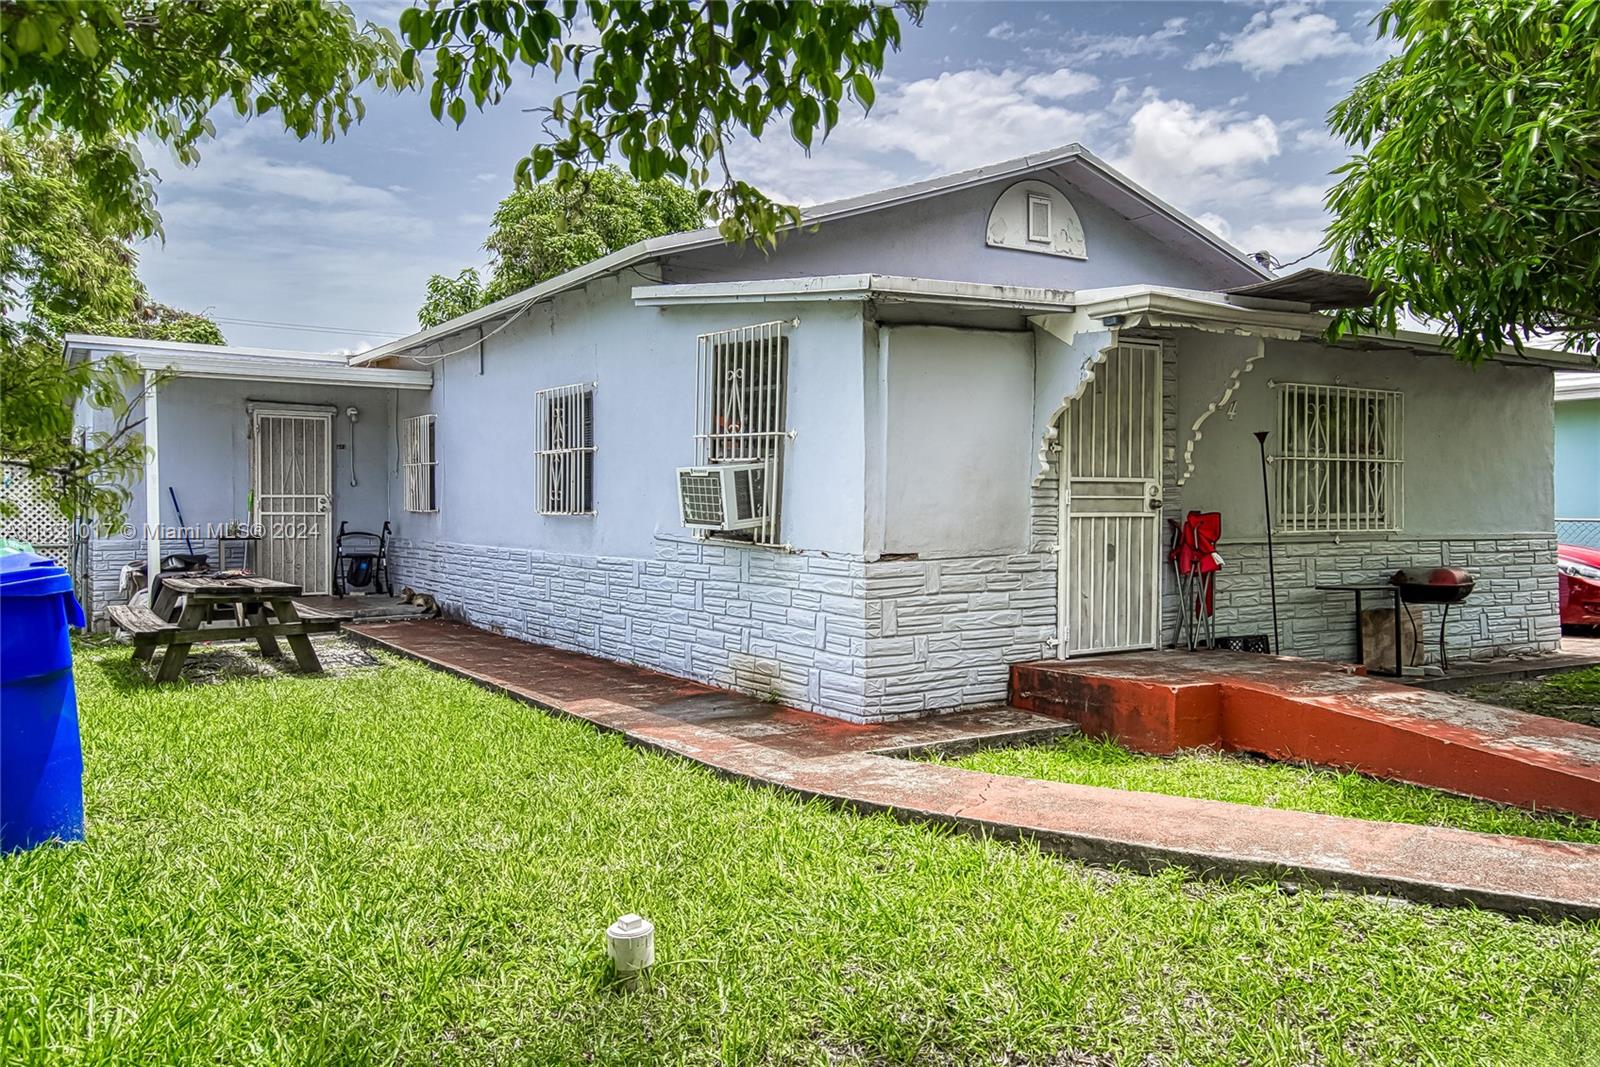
(255,459)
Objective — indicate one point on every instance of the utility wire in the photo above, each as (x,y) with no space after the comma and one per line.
(268,324)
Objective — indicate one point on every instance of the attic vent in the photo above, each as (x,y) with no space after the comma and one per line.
(1038,218)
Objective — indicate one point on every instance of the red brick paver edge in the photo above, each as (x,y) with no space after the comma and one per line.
(846,764)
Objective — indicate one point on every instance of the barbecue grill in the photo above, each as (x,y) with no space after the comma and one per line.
(1437,585)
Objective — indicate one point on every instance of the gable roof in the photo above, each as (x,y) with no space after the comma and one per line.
(1098,178)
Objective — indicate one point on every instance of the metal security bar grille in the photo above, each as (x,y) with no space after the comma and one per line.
(565,457)
(293,480)
(421,464)
(1111,507)
(1339,461)
(742,386)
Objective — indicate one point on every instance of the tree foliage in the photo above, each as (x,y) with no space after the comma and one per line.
(662,86)
(109,72)
(1473,199)
(79,81)
(549,229)
(449,297)
(66,266)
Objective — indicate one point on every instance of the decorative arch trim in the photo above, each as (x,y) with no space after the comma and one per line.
(1034,216)
(1050,446)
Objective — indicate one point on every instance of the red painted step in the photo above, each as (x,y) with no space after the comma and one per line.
(1321,713)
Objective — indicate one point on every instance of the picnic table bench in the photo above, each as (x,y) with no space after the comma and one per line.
(187,607)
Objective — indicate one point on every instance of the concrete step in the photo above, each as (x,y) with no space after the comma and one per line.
(1320,713)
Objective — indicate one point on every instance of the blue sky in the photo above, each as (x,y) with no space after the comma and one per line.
(1217,108)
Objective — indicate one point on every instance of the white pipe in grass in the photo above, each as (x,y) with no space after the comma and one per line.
(631,944)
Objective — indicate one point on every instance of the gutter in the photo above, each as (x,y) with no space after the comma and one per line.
(885,289)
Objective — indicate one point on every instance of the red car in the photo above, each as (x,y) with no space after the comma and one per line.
(1580,585)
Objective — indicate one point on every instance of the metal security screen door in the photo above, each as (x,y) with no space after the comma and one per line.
(1110,561)
(293,480)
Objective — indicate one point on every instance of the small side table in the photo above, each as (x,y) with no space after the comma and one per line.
(1382,589)
(249,542)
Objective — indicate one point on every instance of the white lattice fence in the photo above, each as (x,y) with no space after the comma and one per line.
(36,520)
(1582,532)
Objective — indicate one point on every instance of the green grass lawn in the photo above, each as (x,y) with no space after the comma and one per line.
(1571,695)
(1243,780)
(396,867)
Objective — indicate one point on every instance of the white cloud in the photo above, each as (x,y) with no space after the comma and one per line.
(1060,84)
(1002,31)
(1307,195)
(970,117)
(1287,240)
(956,120)
(1215,223)
(1283,36)
(1192,155)
(1092,47)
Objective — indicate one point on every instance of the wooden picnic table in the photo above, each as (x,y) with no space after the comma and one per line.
(186,607)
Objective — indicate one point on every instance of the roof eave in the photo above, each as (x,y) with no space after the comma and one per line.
(247,364)
(879,288)
(1169,307)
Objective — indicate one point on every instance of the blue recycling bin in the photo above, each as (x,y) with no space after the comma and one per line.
(41,762)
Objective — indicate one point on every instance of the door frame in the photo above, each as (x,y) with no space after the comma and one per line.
(325,413)
(1064,502)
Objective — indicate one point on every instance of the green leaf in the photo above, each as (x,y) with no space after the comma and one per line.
(865,93)
(85,40)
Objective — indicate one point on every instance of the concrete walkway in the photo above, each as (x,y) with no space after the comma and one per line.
(853,766)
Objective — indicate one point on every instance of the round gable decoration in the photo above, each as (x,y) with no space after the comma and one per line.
(1033,216)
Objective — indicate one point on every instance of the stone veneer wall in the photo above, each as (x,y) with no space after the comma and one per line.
(943,632)
(790,626)
(1513,609)
(107,555)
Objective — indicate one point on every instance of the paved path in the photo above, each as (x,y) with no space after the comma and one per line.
(851,765)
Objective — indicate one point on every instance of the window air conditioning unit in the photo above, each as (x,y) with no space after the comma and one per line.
(723,496)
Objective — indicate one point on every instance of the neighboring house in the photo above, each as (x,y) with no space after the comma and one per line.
(957,416)
(1578,459)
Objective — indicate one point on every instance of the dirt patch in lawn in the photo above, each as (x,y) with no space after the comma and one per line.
(231,661)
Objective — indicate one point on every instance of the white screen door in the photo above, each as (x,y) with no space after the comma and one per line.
(293,481)
(1110,580)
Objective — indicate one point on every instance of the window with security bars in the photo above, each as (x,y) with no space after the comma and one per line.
(565,456)
(742,412)
(1339,459)
(421,464)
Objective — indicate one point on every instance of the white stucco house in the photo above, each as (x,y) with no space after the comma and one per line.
(945,427)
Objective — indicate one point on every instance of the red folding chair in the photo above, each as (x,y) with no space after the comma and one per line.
(1195,563)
